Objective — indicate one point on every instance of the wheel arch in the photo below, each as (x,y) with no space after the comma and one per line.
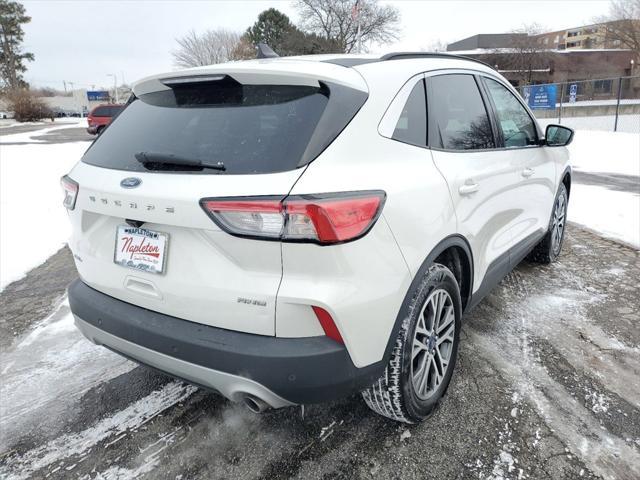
(566,180)
(456,254)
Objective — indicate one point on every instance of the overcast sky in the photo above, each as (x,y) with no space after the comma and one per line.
(82,41)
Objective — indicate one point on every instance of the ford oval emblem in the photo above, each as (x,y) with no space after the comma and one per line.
(130,182)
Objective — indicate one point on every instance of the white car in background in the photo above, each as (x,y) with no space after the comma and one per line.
(288,231)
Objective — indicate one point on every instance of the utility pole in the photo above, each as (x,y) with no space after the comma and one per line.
(115,85)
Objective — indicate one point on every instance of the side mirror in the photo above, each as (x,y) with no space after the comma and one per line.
(558,136)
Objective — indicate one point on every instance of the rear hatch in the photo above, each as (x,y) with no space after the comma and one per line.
(139,231)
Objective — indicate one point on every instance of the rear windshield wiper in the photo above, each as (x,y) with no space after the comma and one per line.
(169,159)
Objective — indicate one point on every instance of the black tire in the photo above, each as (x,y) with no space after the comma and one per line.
(99,130)
(548,249)
(393,395)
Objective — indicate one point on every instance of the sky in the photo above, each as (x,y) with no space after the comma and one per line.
(83,41)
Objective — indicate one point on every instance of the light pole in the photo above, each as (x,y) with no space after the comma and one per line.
(115,85)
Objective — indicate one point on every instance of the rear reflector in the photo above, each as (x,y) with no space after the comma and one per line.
(324,219)
(70,189)
(328,325)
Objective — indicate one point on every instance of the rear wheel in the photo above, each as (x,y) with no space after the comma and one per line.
(550,246)
(424,354)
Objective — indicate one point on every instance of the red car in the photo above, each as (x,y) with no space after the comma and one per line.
(101,116)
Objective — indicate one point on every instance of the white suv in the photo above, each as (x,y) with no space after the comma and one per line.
(288,231)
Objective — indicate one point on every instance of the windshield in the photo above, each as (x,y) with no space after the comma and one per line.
(248,128)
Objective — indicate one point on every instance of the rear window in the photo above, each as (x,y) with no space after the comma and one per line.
(249,128)
(107,111)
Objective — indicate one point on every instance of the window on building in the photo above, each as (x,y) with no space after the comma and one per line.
(602,86)
(458,119)
(412,124)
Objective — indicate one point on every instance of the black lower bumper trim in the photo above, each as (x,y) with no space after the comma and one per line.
(300,370)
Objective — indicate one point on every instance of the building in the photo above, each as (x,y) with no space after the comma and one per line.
(596,36)
(568,66)
(486,41)
(563,56)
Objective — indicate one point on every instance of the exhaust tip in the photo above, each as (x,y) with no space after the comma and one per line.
(255,404)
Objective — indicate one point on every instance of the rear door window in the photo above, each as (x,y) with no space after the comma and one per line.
(412,124)
(458,119)
(249,128)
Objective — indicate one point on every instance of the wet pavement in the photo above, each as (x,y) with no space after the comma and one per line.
(73,132)
(546,386)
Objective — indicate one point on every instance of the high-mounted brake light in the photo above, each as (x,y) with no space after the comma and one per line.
(70,189)
(324,219)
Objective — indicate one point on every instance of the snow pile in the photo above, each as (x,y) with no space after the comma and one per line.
(33,223)
(53,362)
(609,152)
(615,214)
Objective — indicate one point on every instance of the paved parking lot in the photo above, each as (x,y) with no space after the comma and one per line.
(73,133)
(546,386)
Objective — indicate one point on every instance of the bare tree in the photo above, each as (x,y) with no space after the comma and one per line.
(212,46)
(435,46)
(524,56)
(622,25)
(338,20)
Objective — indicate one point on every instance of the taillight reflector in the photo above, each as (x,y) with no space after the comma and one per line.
(327,323)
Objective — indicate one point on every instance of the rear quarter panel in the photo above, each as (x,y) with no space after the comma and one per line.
(370,277)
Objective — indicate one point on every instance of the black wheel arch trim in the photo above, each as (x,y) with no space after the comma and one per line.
(567,171)
(455,240)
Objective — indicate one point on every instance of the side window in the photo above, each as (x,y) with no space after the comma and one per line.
(517,127)
(412,124)
(458,119)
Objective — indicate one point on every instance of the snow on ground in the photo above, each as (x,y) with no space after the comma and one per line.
(33,222)
(597,151)
(60,363)
(626,123)
(615,214)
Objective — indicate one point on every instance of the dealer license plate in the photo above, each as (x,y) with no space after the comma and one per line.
(140,249)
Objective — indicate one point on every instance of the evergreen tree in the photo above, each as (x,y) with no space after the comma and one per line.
(12,58)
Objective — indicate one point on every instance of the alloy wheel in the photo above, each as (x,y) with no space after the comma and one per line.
(557,227)
(432,343)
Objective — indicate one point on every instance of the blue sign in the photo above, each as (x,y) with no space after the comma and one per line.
(98,96)
(540,96)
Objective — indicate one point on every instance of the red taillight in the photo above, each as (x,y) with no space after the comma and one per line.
(324,219)
(70,189)
(260,218)
(327,323)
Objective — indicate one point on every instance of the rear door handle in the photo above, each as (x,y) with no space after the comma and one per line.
(468,188)
(527,172)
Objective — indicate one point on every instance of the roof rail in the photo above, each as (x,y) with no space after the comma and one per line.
(407,55)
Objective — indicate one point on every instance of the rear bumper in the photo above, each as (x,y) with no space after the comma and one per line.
(280,371)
